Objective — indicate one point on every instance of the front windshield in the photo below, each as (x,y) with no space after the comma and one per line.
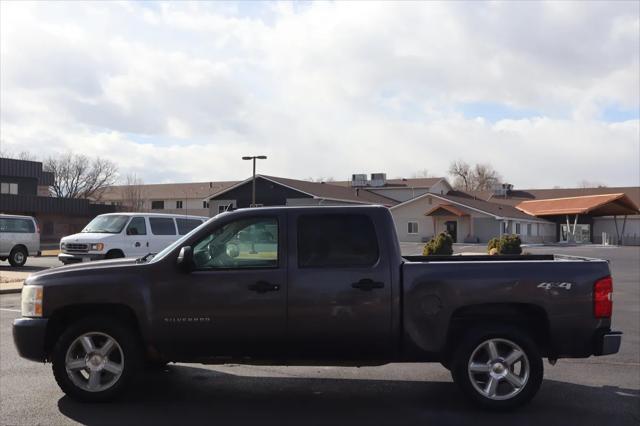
(107,224)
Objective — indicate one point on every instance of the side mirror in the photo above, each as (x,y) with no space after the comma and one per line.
(185,258)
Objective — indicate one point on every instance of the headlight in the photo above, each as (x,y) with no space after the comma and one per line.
(62,246)
(97,247)
(32,301)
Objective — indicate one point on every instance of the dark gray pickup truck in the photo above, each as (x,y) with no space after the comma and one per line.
(316,286)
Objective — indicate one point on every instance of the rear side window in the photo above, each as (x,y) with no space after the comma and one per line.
(187,225)
(162,226)
(20,226)
(336,240)
(137,226)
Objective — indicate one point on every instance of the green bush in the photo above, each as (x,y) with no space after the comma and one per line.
(507,244)
(441,244)
(494,243)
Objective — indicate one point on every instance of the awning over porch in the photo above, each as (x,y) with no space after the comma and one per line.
(445,210)
(593,205)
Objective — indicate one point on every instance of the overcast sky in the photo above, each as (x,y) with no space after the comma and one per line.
(548,93)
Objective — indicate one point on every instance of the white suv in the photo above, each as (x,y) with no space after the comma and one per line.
(19,238)
(114,235)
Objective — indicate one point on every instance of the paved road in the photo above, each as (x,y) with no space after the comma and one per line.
(33,264)
(592,391)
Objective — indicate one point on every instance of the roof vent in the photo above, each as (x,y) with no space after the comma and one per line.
(358,180)
(502,189)
(378,179)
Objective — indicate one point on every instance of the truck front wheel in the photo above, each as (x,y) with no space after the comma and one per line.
(95,359)
(498,367)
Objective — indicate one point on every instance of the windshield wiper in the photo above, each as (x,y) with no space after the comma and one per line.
(144,258)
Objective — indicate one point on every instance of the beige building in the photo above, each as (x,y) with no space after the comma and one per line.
(174,198)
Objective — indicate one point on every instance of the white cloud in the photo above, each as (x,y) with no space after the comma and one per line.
(179,91)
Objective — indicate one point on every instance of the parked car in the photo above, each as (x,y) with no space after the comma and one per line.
(115,235)
(19,238)
(327,287)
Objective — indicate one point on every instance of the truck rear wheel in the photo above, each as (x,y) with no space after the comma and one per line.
(95,359)
(18,256)
(498,367)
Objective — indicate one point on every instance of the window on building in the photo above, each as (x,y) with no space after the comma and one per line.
(517,228)
(412,227)
(187,225)
(529,229)
(179,204)
(224,208)
(137,226)
(339,240)
(205,204)
(157,205)
(245,243)
(505,227)
(9,188)
(162,226)
(537,229)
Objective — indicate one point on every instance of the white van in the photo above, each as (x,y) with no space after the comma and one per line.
(19,238)
(114,235)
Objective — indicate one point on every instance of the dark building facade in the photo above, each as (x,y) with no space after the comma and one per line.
(24,189)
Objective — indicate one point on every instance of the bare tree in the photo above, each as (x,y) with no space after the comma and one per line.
(485,177)
(424,173)
(132,196)
(22,155)
(462,175)
(78,176)
(480,177)
(584,183)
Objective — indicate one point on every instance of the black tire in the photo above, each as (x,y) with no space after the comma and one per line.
(114,254)
(18,257)
(504,336)
(130,360)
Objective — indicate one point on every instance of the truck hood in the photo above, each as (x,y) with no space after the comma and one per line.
(100,267)
(86,237)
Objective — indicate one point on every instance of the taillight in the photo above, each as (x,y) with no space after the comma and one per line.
(603,298)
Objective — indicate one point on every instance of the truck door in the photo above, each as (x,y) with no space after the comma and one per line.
(339,298)
(234,301)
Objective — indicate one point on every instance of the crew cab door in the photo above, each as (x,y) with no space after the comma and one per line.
(234,301)
(339,298)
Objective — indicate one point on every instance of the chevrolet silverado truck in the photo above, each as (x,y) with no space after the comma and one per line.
(316,286)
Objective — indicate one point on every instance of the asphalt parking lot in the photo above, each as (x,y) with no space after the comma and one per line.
(594,391)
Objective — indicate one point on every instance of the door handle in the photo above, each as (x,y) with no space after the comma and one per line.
(263,287)
(367,284)
(137,244)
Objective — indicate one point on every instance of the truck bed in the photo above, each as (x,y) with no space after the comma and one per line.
(500,258)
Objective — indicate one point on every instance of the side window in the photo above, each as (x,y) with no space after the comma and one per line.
(162,226)
(137,226)
(336,240)
(20,226)
(245,243)
(157,205)
(187,225)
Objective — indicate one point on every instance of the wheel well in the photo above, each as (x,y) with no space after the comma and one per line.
(531,318)
(22,246)
(64,317)
(115,251)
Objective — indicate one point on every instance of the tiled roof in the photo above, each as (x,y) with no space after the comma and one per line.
(332,191)
(517,196)
(400,183)
(602,204)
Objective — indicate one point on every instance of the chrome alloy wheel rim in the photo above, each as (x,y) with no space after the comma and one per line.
(94,361)
(498,369)
(18,257)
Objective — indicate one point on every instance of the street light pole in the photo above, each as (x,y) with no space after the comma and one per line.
(253,189)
